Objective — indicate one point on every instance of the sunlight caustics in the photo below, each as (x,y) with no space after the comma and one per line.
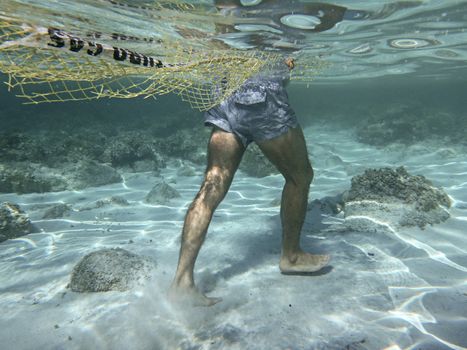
(414,312)
(432,253)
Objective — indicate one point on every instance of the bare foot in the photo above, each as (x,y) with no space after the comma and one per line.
(303,263)
(190,296)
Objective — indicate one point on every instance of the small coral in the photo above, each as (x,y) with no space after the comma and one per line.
(13,221)
(130,147)
(161,193)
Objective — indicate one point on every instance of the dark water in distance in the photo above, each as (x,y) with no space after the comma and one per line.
(322,103)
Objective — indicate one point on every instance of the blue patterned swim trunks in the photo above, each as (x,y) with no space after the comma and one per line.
(259,110)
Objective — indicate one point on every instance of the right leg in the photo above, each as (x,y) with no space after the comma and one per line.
(289,154)
(224,154)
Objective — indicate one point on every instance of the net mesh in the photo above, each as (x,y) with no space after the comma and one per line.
(49,65)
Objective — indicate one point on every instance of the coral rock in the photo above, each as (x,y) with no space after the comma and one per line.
(13,222)
(393,197)
(110,270)
(161,193)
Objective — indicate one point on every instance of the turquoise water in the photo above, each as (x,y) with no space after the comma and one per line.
(392,95)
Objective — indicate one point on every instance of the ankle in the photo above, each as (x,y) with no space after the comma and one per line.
(290,256)
(183,282)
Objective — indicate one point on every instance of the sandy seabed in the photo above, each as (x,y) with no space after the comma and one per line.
(405,289)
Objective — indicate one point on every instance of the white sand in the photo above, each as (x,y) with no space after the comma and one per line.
(406,289)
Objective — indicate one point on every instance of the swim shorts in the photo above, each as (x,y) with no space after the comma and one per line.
(259,110)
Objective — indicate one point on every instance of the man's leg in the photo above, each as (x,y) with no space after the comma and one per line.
(289,154)
(225,152)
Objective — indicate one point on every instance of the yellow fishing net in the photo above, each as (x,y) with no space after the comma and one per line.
(46,64)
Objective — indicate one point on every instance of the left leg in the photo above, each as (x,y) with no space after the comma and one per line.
(224,154)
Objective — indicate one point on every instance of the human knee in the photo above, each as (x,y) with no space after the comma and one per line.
(306,177)
(303,178)
(215,185)
(217,178)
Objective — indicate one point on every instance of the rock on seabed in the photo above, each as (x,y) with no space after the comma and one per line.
(110,270)
(393,197)
(13,222)
(161,193)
